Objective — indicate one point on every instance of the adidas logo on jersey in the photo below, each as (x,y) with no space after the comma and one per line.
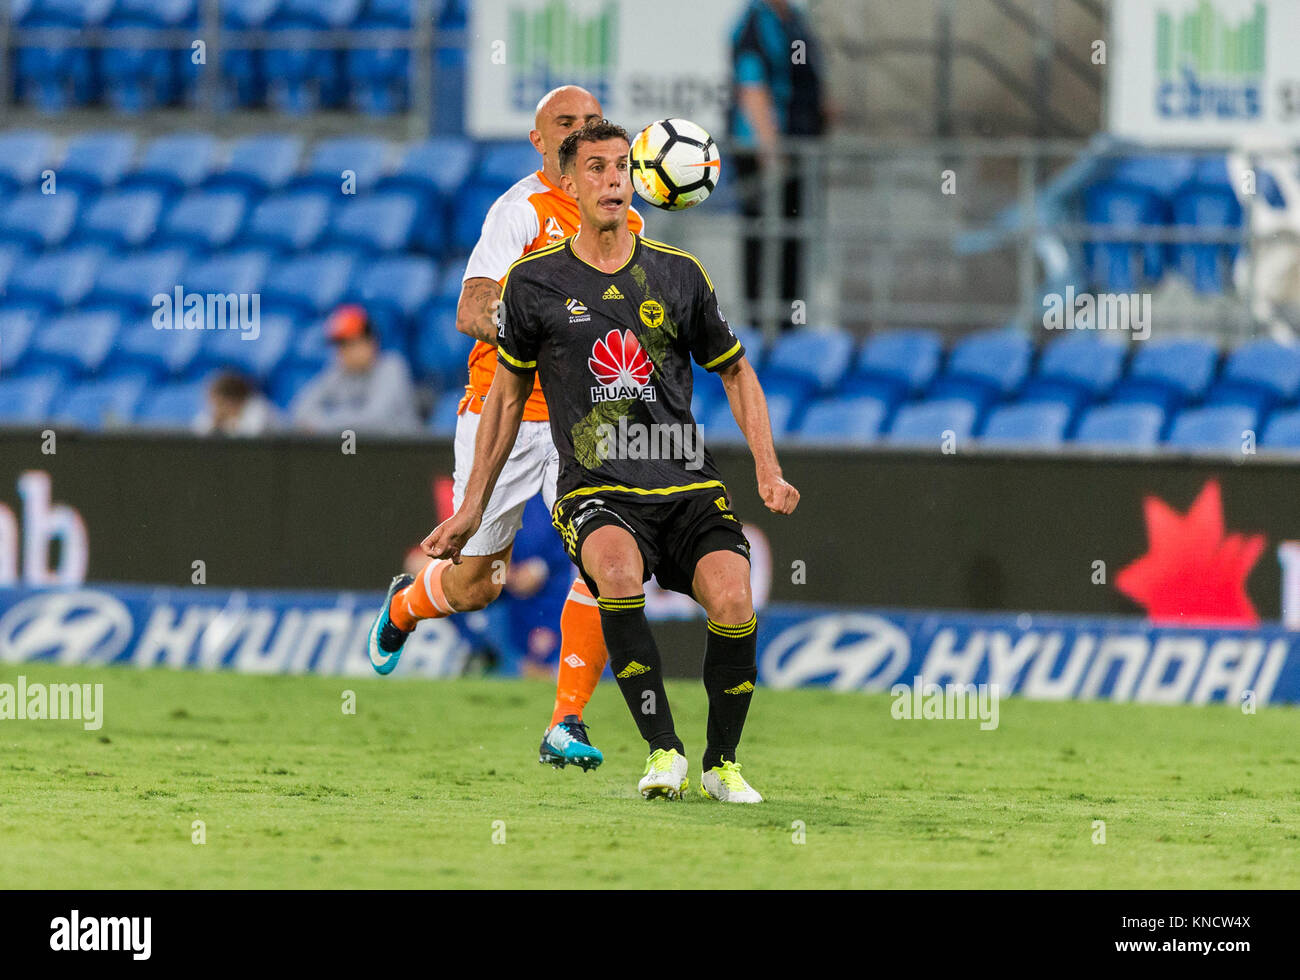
(612,293)
(631,670)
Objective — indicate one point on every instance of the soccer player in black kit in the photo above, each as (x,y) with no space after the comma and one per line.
(609,321)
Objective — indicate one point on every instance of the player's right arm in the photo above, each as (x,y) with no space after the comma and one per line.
(508,229)
(518,342)
(476,311)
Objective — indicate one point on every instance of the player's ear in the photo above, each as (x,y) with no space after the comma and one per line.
(535,137)
(568,184)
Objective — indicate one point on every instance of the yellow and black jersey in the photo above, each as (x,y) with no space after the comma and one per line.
(613,351)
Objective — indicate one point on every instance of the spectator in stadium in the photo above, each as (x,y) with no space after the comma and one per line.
(777,92)
(365,390)
(235,408)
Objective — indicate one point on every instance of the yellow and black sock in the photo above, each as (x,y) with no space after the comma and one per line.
(730,669)
(634,658)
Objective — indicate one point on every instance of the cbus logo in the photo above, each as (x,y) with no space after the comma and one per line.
(622,368)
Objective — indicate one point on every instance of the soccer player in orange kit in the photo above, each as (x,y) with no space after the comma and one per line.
(532,214)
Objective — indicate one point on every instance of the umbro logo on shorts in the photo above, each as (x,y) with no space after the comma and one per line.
(573,660)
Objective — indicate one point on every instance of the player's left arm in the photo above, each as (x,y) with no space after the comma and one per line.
(749,406)
(716,348)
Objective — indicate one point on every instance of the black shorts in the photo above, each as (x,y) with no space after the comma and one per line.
(673,535)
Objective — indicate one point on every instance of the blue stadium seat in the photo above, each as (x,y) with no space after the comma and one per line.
(1208,265)
(468,211)
(817,359)
(287,383)
(130,282)
(925,422)
(897,364)
(1169,374)
(123,219)
(58,279)
(855,421)
(244,68)
(393,290)
(139,76)
(1121,266)
(378,76)
(382,222)
(175,163)
(440,350)
(96,161)
(1260,374)
(362,155)
(26,399)
(55,75)
(1132,426)
(442,421)
(256,355)
(1039,425)
(205,219)
(440,165)
(311,347)
(1282,431)
(1089,363)
(142,347)
(17,328)
(260,164)
(1218,427)
(77,342)
(1161,174)
(172,406)
(103,402)
(291,220)
(23,155)
(39,221)
(985,367)
(11,257)
(304,78)
(309,284)
(229,272)
(503,164)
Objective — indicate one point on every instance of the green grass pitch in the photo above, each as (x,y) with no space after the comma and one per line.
(410,790)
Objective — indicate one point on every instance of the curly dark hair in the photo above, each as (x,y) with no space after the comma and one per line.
(596,131)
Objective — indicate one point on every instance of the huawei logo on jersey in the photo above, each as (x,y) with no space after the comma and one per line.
(621,367)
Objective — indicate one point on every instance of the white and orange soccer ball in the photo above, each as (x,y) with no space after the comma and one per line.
(674,164)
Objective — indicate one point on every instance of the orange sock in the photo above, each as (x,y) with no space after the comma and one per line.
(582,653)
(423,598)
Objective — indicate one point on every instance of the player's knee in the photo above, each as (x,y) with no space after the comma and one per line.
(730,602)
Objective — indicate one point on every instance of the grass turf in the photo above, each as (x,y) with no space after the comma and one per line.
(408,792)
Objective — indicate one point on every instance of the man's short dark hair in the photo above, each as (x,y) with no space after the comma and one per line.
(232,387)
(595,131)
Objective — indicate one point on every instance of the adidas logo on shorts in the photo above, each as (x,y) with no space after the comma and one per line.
(632,670)
(745,688)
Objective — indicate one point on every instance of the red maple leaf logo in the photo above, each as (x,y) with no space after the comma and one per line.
(617,358)
(1192,572)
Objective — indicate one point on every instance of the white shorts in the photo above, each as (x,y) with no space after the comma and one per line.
(533,467)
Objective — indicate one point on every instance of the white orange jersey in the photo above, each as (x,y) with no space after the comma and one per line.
(531,214)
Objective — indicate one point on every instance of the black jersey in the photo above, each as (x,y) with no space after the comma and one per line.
(612,351)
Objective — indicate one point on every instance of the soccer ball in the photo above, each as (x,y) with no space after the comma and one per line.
(674,164)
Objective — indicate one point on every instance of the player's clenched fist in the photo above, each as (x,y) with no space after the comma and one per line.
(779,496)
(446,540)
